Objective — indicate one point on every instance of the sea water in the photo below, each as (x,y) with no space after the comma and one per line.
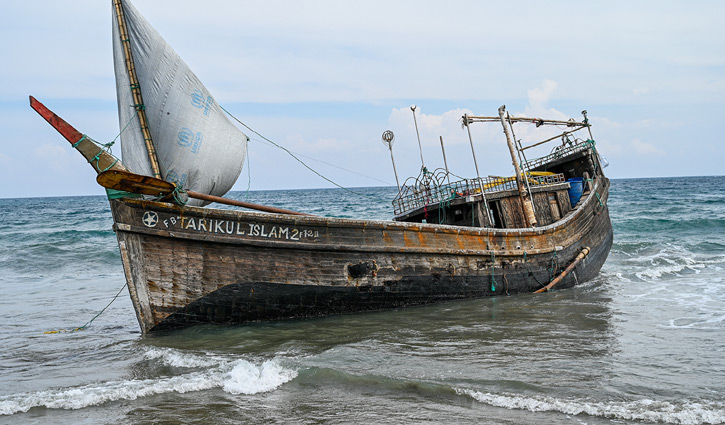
(644,342)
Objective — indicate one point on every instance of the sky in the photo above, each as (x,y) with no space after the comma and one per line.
(325,78)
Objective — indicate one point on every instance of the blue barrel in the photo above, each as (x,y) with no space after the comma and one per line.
(575,189)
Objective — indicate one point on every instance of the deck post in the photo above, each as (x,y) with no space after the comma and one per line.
(520,182)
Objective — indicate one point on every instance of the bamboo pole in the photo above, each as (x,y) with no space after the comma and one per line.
(568,270)
(227,201)
(136,88)
(517,144)
(551,138)
(538,121)
(520,182)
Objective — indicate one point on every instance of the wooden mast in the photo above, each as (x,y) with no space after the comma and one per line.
(136,88)
(520,177)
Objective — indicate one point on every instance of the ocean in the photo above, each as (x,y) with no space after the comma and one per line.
(642,343)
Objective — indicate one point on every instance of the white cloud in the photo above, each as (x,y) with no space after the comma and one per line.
(430,126)
(643,148)
(539,97)
(640,91)
(55,156)
(333,56)
(604,122)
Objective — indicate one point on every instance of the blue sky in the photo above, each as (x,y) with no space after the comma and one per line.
(326,78)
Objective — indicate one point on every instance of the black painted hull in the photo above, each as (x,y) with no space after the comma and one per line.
(266,301)
(188,265)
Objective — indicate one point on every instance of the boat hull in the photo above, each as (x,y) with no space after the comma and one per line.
(187,265)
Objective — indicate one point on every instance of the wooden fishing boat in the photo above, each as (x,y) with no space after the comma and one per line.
(185,264)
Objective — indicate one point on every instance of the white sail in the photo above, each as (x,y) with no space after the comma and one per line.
(197,146)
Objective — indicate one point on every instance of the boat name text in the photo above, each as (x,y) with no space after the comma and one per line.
(229,227)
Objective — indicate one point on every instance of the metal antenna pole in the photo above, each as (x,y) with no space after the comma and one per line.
(420,147)
(589,127)
(388,138)
(445,162)
(467,123)
(470,139)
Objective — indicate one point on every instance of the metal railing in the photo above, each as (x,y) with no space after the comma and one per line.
(559,152)
(416,196)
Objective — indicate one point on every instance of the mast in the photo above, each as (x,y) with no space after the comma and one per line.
(525,200)
(445,162)
(470,139)
(136,88)
(420,147)
(517,145)
(467,122)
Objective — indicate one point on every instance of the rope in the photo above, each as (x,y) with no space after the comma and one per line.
(116,194)
(554,267)
(124,128)
(594,149)
(493,278)
(249,178)
(335,166)
(88,323)
(442,205)
(104,147)
(299,160)
(531,274)
(179,195)
(79,141)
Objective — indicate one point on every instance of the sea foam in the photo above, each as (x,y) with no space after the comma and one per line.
(683,413)
(234,376)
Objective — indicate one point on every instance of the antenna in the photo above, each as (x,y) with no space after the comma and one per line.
(420,148)
(445,162)
(589,127)
(467,123)
(388,139)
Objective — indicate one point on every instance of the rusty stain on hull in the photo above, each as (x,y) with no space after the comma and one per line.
(190,257)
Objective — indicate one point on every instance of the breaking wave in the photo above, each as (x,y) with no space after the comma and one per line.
(233,376)
(684,413)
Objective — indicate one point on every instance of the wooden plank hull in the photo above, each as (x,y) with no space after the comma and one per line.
(187,265)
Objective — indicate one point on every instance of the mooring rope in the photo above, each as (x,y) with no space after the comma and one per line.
(88,323)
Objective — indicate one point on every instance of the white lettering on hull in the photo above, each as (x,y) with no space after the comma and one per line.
(237,228)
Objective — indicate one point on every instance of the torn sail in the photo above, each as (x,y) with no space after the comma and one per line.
(197,146)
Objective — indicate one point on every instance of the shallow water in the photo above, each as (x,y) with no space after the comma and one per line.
(644,342)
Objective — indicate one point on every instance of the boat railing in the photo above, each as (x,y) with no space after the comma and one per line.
(414,197)
(559,152)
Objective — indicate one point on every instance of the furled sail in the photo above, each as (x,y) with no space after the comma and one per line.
(197,146)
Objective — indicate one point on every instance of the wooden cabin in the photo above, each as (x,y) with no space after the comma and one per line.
(496,202)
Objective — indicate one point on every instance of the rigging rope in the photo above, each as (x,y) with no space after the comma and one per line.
(104,147)
(493,268)
(249,178)
(299,160)
(336,166)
